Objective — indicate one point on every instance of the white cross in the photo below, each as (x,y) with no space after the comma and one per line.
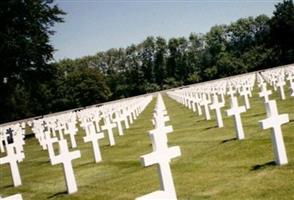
(118,120)
(231,91)
(12,197)
(108,126)
(48,141)
(235,111)
(204,103)
(129,114)
(281,84)
(72,131)
(198,99)
(264,93)
(18,144)
(274,121)
(92,136)
(193,102)
(216,105)
(12,158)
(125,118)
(97,120)
(2,140)
(60,128)
(245,93)
(292,88)
(65,157)
(161,155)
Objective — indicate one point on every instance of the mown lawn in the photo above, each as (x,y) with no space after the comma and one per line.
(213,164)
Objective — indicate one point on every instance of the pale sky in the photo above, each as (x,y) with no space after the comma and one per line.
(95,25)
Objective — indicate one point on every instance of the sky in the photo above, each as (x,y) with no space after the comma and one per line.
(97,25)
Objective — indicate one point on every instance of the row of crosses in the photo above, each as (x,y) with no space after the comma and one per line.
(61,129)
(161,155)
(211,96)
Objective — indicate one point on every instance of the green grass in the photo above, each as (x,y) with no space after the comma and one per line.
(213,165)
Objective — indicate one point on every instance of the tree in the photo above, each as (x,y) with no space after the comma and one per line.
(24,52)
(147,51)
(282,32)
(160,60)
(82,88)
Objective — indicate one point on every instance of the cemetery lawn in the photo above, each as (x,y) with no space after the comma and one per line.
(213,165)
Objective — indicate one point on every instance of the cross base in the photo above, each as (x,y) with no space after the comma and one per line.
(158,195)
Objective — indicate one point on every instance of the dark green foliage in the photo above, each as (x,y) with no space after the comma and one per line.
(30,86)
(24,52)
(282,32)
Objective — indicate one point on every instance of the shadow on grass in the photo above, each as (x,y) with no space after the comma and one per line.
(87,163)
(228,140)
(199,120)
(29,135)
(57,194)
(262,166)
(7,186)
(256,114)
(211,127)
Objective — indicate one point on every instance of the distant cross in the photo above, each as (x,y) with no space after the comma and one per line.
(65,158)
(135,112)
(216,106)
(118,120)
(292,88)
(12,159)
(274,121)
(163,130)
(290,77)
(1,143)
(18,145)
(160,119)
(190,102)
(198,100)
(193,102)
(3,139)
(129,114)
(185,99)
(245,93)
(92,136)
(281,84)
(72,131)
(204,103)
(236,111)
(48,141)
(97,119)
(222,97)
(264,93)
(60,128)
(125,118)
(108,126)
(231,92)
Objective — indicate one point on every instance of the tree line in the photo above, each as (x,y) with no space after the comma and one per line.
(32,85)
